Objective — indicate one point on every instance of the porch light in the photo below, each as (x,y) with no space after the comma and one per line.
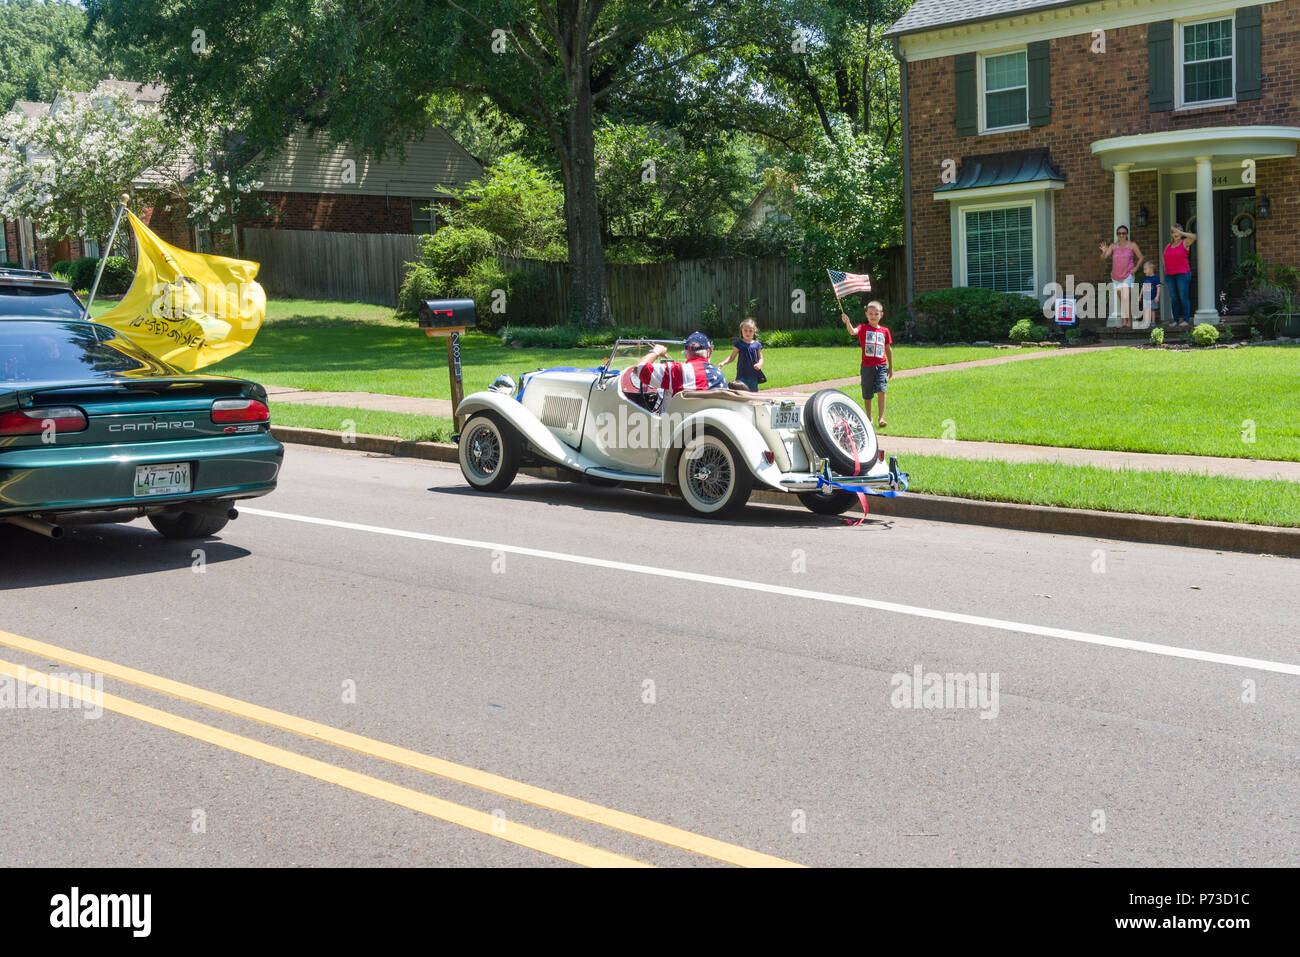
(1142,217)
(1265,207)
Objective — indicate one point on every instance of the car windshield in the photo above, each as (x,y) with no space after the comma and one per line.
(628,351)
(27,301)
(52,352)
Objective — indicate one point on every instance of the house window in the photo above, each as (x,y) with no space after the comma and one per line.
(1206,55)
(1005,82)
(4,248)
(424,220)
(998,246)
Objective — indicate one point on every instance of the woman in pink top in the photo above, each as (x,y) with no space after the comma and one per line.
(1178,275)
(1125,260)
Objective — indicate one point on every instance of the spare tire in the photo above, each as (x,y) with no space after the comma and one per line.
(840,432)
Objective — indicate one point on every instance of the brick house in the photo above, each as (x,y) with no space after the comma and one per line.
(308,185)
(1033,128)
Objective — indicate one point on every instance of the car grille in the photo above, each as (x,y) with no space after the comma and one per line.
(561,411)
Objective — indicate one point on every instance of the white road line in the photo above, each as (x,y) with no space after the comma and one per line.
(1170,651)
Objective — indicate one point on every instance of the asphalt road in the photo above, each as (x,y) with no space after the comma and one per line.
(743,681)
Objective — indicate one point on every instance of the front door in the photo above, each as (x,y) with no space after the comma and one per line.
(1234,237)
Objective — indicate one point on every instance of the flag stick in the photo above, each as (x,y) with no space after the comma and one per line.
(121,208)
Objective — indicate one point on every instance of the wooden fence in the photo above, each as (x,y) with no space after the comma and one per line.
(351,267)
(676,296)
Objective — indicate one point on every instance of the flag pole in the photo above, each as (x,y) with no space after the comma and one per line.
(121,208)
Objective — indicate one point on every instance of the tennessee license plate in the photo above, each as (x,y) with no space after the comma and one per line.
(785,418)
(162,479)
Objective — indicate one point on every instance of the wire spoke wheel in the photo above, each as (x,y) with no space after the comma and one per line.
(712,477)
(709,473)
(484,452)
(840,432)
(489,452)
(847,429)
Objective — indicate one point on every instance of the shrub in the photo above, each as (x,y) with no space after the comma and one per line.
(1157,336)
(1020,331)
(62,267)
(576,337)
(969,315)
(118,273)
(1205,334)
(818,336)
(9,264)
(1038,333)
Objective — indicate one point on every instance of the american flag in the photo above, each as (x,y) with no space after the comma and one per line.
(848,282)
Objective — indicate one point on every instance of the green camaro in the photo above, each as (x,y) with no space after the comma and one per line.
(93,429)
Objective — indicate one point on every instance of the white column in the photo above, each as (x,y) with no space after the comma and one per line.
(1121,218)
(1206,308)
(1121,198)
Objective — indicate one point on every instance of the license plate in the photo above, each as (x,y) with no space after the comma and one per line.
(162,479)
(785,418)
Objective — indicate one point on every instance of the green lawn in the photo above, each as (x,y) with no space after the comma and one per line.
(1252,501)
(353,347)
(788,367)
(1194,403)
(418,428)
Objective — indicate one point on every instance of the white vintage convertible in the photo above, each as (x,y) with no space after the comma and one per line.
(711,447)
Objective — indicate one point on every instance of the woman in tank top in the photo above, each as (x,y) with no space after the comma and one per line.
(1178,275)
(1125,260)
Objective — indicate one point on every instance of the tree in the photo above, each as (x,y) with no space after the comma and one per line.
(845,201)
(660,194)
(365,69)
(44,49)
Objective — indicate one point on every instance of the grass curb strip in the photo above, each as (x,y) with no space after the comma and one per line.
(1224,536)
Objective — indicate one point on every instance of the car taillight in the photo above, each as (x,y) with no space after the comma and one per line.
(225,411)
(37,421)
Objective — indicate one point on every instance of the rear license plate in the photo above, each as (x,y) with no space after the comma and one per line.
(162,479)
(785,418)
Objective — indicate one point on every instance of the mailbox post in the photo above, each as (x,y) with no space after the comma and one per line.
(448,318)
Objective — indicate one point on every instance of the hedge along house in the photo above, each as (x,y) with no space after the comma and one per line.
(1033,128)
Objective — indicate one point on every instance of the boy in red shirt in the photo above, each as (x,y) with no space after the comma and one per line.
(877,357)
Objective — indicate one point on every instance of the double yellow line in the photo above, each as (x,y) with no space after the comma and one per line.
(543,841)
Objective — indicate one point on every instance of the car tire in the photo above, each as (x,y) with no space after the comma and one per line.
(712,477)
(187,524)
(828,501)
(489,451)
(829,417)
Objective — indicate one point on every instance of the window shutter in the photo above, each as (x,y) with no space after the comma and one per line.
(1038,59)
(1160,65)
(964,78)
(1250,74)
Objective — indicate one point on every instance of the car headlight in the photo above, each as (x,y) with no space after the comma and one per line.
(504,384)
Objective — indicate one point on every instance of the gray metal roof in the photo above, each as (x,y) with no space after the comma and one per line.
(1002,169)
(932,14)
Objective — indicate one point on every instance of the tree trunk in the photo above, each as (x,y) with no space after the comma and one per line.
(581,213)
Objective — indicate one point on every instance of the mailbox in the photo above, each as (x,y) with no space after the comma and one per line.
(447,314)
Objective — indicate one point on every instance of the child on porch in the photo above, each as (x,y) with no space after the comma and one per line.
(1150,294)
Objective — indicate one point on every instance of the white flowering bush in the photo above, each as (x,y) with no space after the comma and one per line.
(65,170)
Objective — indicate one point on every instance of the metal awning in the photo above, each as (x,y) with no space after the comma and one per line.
(993,173)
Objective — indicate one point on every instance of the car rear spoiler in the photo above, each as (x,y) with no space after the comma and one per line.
(196,386)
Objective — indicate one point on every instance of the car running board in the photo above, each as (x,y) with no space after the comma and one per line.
(617,476)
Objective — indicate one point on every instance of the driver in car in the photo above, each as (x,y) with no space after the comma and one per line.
(652,383)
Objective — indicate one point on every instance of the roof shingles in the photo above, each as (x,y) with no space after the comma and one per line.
(932,14)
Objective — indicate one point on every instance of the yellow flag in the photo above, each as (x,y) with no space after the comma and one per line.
(188,309)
